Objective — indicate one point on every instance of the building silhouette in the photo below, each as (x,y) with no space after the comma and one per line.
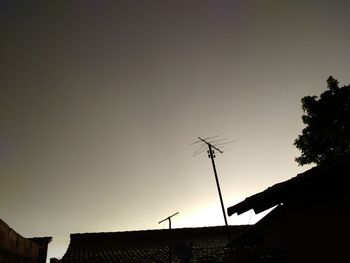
(308,222)
(14,248)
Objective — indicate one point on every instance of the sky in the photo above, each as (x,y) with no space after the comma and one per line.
(101,100)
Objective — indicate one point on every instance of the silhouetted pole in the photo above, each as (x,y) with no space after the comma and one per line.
(211,155)
(169,218)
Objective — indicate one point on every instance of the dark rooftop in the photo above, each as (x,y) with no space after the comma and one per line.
(316,183)
(205,244)
(41,241)
(16,248)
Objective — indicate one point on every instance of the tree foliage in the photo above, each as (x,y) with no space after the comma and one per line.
(327,118)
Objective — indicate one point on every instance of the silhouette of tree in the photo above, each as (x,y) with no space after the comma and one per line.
(327,132)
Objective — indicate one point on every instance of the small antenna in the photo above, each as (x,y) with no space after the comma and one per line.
(169,218)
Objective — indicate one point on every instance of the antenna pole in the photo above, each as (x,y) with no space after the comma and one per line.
(169,218)
(212,156)
(217,182)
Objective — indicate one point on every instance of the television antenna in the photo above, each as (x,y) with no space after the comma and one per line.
(212,144)
(169,219)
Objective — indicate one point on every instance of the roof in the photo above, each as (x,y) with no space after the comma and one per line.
(41,241)
(251,235)
(14,247)
(319,182)
(207,244)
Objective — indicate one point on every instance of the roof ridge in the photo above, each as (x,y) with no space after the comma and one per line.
(274,194)
(156,230)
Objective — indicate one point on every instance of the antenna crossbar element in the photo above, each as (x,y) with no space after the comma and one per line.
(215,142)
(209,144)
(208,138)
(224,143)
(168,218)
(199,152)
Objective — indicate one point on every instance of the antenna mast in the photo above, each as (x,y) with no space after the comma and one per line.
(211,154)
(169,218)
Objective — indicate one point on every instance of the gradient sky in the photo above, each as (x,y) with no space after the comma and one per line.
(100,101)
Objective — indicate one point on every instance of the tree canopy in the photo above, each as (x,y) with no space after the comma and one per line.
(327,132)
